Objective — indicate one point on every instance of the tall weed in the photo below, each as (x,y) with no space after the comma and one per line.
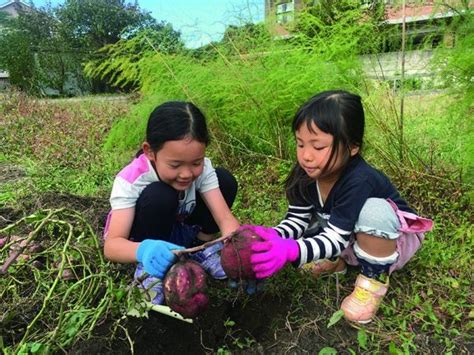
(249,98)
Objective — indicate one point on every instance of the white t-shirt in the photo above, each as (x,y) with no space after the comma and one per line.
(132,179)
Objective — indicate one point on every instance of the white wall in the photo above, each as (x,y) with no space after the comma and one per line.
(388,65)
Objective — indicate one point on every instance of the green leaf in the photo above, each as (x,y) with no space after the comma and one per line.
(362,338)
(72,331)
(138,313)
(38,216)
(223,351)
(327,351)
(229,323)
(35,347)
(119,294)
(393,350)
(336,317)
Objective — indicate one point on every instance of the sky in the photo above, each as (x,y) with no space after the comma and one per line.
(199,21)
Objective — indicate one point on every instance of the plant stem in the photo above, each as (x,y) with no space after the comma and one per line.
(402,84)
(49,295)
(31,236)
(200,247)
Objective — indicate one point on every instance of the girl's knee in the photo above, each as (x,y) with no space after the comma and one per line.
(375,245)
(377,219)
(157,196)
(227,184)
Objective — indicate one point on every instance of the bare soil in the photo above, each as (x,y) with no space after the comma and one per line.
(262,324)
(289,317)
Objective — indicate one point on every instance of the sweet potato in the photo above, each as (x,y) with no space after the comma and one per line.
(185,288)
(235,256)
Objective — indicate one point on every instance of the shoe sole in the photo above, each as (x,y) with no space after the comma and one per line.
(358,321)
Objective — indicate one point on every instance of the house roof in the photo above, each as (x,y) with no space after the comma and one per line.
(395,17)
(420,12)
(8,3)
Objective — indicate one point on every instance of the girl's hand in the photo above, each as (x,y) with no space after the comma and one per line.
(156,256)
(271,255)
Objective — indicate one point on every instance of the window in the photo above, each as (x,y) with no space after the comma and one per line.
(285,18)
(286,7)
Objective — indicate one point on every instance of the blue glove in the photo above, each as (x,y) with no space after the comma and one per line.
(156,256)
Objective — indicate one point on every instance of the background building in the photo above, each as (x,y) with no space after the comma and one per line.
(12,8)
(422,18)
(425,26)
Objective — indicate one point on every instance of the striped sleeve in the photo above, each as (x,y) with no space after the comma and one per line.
(296,221)
(328,243)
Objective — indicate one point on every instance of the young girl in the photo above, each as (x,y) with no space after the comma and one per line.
(170,197)
(359,216)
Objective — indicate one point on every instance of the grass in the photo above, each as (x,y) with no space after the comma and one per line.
(429,304)
(57,144)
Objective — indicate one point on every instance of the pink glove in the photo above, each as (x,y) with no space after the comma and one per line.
(273,253)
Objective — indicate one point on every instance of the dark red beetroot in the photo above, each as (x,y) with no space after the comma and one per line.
(235,256)
(185,286)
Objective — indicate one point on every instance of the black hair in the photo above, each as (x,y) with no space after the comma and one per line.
(175,120)
(335,112)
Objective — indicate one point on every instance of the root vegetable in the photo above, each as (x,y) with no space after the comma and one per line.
(235,256)
(184,288)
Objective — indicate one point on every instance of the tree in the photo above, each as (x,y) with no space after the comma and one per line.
(16,56)
(237,40)
(36,56)
(358,23)
(48,47)
(92,24)
(245,38)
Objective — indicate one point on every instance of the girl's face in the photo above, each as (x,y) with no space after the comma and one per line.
(313,150)
(178,163)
